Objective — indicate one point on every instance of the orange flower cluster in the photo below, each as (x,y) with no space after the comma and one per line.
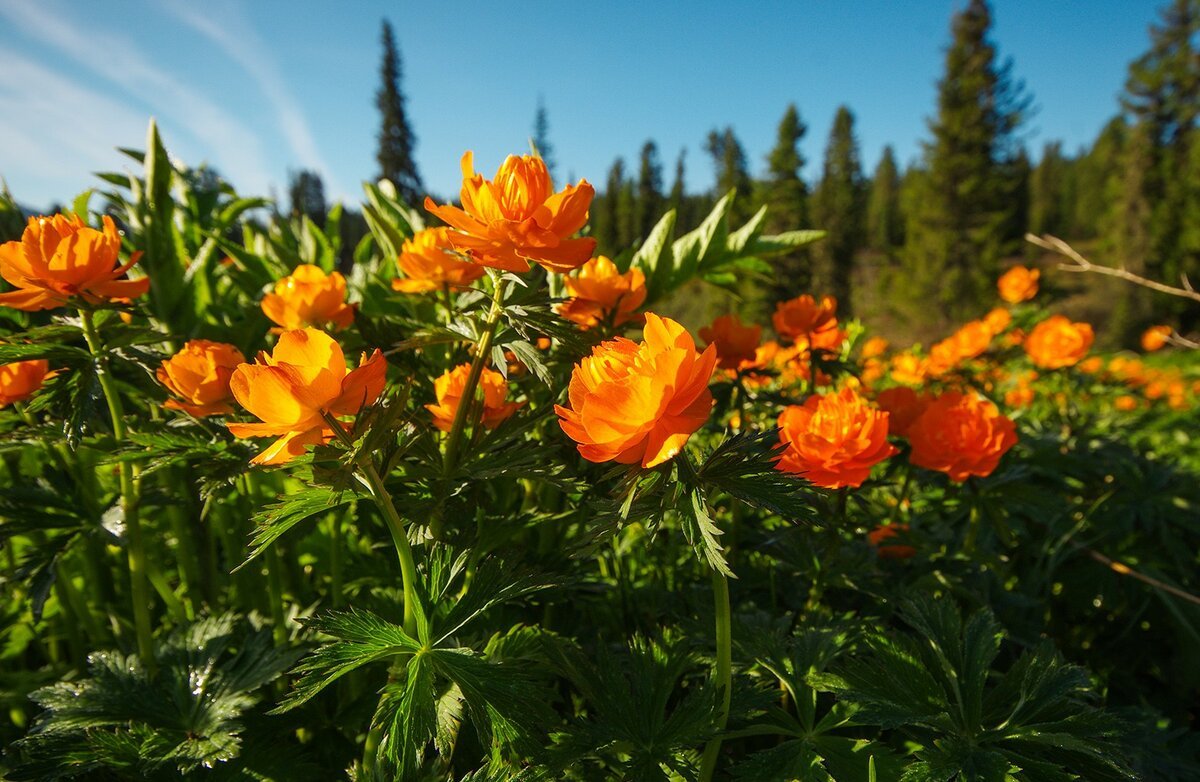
(834,440)
(967,343)
(961,435)
(1056,342)
(599,292)
(449,390)
(428,263)
(639,403)
(736,343)
(903,406)
(1018,284)
(292,389)
(309,298)
(198,375)
(1155,338)
(808,323)
(21,380)
(59,259)
(517,218)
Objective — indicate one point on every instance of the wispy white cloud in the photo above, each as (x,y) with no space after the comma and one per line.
(226,25)
(216,133)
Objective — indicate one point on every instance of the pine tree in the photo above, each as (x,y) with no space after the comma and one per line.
(729,162)
(649,206)
(1098,183)
(626,216)
(675,200)
(785,195)
(396,139)
(885,223)
(541,138)
(306,192)
(840,208)
(606,219)
(962,223)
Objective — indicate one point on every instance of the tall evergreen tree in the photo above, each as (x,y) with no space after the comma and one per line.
(306,192)
(729,162)
(885,223)
(840,208)
(785,195)
(1046,186)
(396,138)
(649,206)
(675,200)
(1098,184)
(962,223)
(606,217)
(541,138)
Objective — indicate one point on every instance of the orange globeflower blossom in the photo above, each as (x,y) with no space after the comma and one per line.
(449,390)
(903,406)
(834,440)
(309,297)
(632,402)
(199,375)
(997,320)
(737,343)
(807,322)
(873,347)
(1020,396)
(1018,284)
(1091,365)
(1155,337)
(59,259)
(429,264)
(292,389)
(764,359)
(909,369)
(598,291)
(961,435)
(1057,342)
(517,217)
(880,536)
(1125,403)
(21,379)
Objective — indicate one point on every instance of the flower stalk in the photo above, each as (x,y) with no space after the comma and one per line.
(723,673)
(482,350)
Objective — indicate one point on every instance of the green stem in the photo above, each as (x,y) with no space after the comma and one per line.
(482,350)
(130,500)
(275,588)
(336,553)
(723,674)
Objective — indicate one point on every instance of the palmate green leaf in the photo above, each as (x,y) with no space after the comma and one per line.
(743,466)
(276,519)
(699,528)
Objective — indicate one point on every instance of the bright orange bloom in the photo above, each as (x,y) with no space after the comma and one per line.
(1130,370)
(59,259)
(903,406)
(309,298)
(1057,342)
(1091,365)
(449,389)
(429,264)
(517,217)
(598,291)
(634,402)
(1155,337)
(807,322)
(736,342)
(873,369)
(968,342)
(961,435)
(1126,403)
(997,320)
(199,376)
(834,440)
(880,536)
(1018,284)
(21,379)
(909,369)
(1020,396)
(290,390)
(875,346)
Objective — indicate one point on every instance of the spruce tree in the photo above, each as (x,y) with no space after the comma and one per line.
(1046,192)
(729,162)
(396,139)
(839,206)
(541,138)
(675,200)
(306,192)
(963,221)
(1098,184)
(649,206)
(606,219)
(885,223)
(785,195)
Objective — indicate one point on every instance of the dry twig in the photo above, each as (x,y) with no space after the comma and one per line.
(1080,264)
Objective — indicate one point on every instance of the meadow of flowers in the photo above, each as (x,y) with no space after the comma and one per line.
(474,507)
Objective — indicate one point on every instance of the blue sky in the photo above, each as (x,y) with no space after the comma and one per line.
(258,87)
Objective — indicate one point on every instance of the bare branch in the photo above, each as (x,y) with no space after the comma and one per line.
(1080,264)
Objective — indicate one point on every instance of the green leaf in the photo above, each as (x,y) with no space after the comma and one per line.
(274,520)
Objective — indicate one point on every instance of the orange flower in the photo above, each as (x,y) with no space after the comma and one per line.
(880,536)
(429,264)
(598,291)
(961,435)
(309,298)
(736,343)
(1018,284)
(290,390)
(1057,342)
(199,375)
(997,320)
(968,342)
(808,323)
(1125,403)
(1155,337)
(449,389)
(21,379)
(873,347)
(903,406)
(909,369)
(59,259)
(517,217)
(1020,396)
(834,440)
(634,402)
(1091,365)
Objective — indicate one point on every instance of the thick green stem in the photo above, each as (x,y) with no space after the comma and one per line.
(130,500)
(482,350)
(723,675)
(408,567)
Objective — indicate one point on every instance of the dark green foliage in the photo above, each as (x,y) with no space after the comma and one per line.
(885,219)
(541,138)
(785,194)
(396,138)
(306,194)
(839,206)
(649,190)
